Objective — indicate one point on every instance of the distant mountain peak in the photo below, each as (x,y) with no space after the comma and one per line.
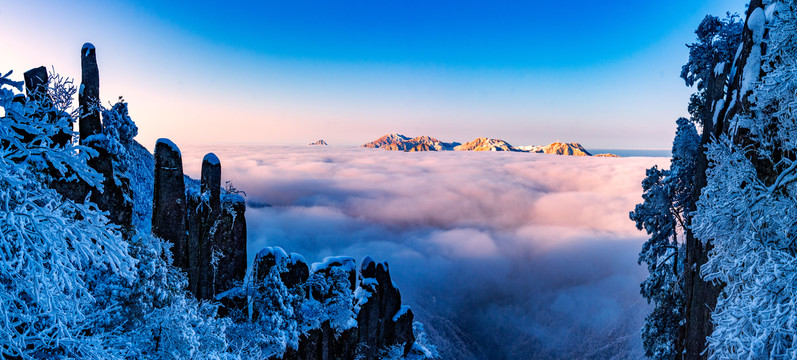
(485,144)
(403,143)
(319,142)
(559,148)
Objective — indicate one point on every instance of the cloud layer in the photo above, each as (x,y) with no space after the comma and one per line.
(501,255)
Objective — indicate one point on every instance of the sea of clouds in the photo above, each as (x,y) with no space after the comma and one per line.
(500,255)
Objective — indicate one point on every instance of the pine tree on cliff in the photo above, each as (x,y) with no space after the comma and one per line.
(666,197)
(709,59)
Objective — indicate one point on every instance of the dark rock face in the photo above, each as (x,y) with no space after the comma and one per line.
(403,328)
(36,81)
(195,239)
(169,202)
(229,245)
(297,271)
(381,319)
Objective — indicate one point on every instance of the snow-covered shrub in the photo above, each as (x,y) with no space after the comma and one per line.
(49,246)
(273,327)
(335,303)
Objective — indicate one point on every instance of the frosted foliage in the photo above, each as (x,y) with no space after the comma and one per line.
(662,215)
(274,328)
(772,120)
(752,228)
(118,127)
(48,257)
(336,304)
(750,216)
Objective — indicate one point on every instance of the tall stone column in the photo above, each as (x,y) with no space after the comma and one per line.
(168,201)
(211,181)
(89,93)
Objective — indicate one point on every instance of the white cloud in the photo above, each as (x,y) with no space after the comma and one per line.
(510,253)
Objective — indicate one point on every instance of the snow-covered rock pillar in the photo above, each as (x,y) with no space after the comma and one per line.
(116,196)
(169,203)
(89,93)
(211,181)
(216,245)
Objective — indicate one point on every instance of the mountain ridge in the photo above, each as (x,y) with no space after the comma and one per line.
(399,142)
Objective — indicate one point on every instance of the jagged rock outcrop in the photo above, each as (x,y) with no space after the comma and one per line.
(386,140)
(319,142)
(294,270)
(485,144)
(381,320)
(216,237)
(345,264)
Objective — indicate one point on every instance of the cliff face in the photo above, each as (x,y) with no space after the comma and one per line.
(722,103)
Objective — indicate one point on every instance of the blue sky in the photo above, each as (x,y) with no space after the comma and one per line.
(601,73)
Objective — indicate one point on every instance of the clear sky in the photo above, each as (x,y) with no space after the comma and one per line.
(602,73)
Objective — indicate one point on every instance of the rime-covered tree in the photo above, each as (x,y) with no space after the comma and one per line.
(749,206)
(662,215)
(716,45)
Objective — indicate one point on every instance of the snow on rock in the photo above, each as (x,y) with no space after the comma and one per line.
(296,258)
(485,144)
(169,144)
(756,23)
(402,311)
(345,263)
(211,159)
(719,68)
